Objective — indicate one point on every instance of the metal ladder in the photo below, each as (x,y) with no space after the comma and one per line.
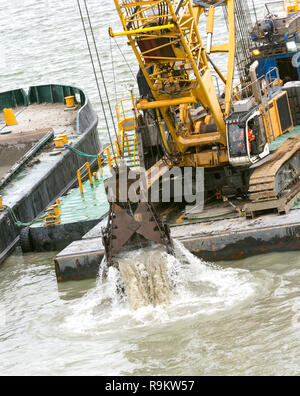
(127,133)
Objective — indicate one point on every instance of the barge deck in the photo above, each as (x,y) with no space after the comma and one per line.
(36,181)
(218,240)
(219,233)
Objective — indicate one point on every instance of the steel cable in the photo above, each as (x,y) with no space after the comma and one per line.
(102,75)
(95,74)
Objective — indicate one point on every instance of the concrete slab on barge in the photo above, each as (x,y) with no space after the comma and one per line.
(214,241)
(81,259)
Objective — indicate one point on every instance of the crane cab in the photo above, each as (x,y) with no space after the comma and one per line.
(247,141)
(250,132)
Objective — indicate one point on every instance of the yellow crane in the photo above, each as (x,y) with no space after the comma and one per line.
(228,134)
(225,134)
(165,38)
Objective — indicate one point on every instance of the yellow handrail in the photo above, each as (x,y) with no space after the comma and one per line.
(125,136)
(116,150)
(136,158)
(80,177)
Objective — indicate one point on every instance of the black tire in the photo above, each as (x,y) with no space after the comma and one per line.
(25,240)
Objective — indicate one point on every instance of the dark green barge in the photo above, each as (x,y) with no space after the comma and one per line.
(33,172)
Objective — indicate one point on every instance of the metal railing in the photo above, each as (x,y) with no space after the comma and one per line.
(125,146)
(270,84)
(125,113)
(127,116)
(80,177)
(266,87)
(109,156)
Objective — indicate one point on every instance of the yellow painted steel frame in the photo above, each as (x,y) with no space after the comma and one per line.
(175,64)
(275,118)
(278,115)
(53,216)
(80,177)
(127,122)
(291,6)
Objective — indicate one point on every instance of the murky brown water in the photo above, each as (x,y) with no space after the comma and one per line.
(145,277)
(237,318)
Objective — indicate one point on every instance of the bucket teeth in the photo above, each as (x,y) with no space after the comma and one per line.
(132,224)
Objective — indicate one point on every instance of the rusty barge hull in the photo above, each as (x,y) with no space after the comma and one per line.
(238,241)
(223,240)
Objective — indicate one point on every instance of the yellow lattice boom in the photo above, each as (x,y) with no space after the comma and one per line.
(165,38)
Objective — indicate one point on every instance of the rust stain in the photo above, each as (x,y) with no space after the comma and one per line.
(214,249)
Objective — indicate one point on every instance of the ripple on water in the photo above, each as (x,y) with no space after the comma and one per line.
(202,292)
(234,318)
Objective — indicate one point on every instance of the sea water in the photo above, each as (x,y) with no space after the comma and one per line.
(228,318)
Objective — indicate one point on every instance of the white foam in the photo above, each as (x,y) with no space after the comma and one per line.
(197,290)
(145,276)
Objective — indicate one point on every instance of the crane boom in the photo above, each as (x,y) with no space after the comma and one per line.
(231,135)
(165,38)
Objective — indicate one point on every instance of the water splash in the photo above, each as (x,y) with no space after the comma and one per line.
(146,279)
(192,290)
(151,277)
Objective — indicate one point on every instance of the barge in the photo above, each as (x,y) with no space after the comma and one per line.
(245,138)
(212,241)
(35,167)
(251,167)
